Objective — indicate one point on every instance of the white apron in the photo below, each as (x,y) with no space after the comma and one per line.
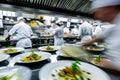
(58,41)
(26,42)
(86,38)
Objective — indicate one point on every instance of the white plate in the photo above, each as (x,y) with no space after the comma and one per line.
(46,72)
(4,57)
(19,49)
(43,48)
(45,55)
(22,72)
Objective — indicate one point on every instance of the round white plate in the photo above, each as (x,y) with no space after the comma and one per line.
(19,49)
(45,55)
(46,72)
(43,48)
(21,72)
(4,57)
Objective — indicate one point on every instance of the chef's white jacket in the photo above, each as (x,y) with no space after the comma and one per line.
(58,38)
(23,33)
(97,31)
(112,38)
(74,31)
(66,30)
(85,31)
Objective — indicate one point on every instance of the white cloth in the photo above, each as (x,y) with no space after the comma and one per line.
(74,31)
(58,38)
(66,30)
(22,31)
(97,31)
(85,31)
(112,38)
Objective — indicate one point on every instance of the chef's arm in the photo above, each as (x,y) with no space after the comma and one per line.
(95,39)
(53,33)
(8,37)
(106,63)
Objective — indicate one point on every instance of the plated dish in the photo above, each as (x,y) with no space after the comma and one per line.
(94,48)
(4,57)
(15,73)
(30,57)
(49,48)
(62,70)
(11,50)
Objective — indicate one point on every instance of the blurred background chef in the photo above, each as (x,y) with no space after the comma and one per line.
(66,30)
(58,35)
(74,31)
(85,31)
(97,30)
(23,33)
(108,11)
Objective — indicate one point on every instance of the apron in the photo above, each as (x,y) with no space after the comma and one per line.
(86,38)
(24,42)
(58,41)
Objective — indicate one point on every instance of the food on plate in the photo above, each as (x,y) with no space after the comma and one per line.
(49,48)
(97,60)
(91,48)
(94,48)
(10,77)
(32,57)
(73,72)
(10,50)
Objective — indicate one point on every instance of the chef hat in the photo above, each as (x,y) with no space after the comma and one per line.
(20,18)
(104,3)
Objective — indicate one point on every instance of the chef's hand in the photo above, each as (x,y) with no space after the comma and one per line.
(106,63)
(87,43)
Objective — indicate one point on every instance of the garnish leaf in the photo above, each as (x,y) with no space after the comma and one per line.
(99,57)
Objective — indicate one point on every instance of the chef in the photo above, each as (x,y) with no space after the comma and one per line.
(74,31)
(23,33)
(108,11)
(58,35)
(97,30)
(85,31)
(66,30)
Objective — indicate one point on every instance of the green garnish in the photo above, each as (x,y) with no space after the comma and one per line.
(74,66)
(10,46)
(99,57)
(33,53)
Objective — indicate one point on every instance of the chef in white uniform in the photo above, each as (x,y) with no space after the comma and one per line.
(66,30)
(97,30)
(85,31)
(23,33)
(75,31)
(109,10)
(58,35)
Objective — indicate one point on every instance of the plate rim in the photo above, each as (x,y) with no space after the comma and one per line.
(29,53)
(7,56)
(39,48)
(22,49)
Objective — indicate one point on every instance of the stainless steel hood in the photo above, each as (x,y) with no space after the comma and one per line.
(77,7)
